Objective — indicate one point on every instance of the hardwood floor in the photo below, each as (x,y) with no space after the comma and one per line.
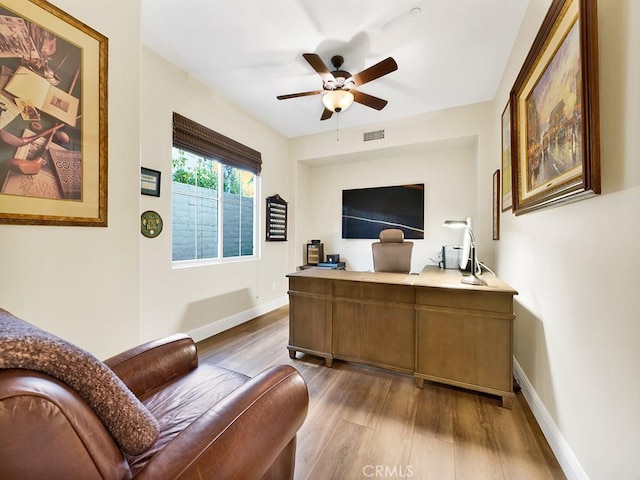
(365,422)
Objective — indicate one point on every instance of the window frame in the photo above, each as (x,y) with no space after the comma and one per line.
(220,258)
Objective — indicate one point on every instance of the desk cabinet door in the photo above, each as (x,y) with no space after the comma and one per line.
(465,348)
(375,334)
(308,324)
(309,315)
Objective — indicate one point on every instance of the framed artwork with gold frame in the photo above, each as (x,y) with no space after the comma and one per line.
(554,108)
(53,117)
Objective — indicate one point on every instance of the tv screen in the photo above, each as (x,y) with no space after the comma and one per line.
(367,211)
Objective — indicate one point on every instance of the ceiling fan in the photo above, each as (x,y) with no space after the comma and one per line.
(339,86)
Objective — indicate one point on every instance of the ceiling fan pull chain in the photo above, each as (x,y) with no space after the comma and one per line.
(338,128)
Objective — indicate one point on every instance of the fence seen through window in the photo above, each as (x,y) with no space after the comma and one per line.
(214,209)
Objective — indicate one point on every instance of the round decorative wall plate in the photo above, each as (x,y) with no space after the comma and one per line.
(150,224)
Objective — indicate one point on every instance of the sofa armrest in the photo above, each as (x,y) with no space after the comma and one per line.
(242,435)
(48,431)
(155,363)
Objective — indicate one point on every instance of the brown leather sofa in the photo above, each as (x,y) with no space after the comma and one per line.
(212,423)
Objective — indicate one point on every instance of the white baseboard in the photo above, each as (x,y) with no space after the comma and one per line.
(220,326)
(566,458)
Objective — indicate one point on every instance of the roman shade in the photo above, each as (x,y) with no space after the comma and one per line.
(196,138)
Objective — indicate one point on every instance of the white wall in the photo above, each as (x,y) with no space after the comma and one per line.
(82,282)
(195,299)
(578,324)
(449,176)
(440,149)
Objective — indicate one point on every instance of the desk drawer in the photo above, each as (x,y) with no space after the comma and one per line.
(468,300)
(373,291)
(318,286)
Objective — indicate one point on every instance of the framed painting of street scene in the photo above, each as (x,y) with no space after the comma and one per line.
(554,110)
(53,117)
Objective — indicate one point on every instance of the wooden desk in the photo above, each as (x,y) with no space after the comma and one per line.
(429,325)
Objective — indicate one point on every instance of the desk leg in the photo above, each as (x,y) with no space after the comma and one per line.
(420,382)
(292,354)
(328,362)
(507,400)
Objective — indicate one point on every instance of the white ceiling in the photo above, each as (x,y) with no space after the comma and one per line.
(451,53)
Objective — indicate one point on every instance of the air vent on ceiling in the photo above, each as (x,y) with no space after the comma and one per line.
(375,135)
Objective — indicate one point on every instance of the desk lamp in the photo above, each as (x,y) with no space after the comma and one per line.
(470,240)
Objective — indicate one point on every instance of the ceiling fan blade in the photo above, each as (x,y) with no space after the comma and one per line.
(318,65)
(378,70)
(369,100)
(326,114)
(296,95)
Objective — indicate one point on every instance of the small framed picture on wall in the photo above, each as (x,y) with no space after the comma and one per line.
(496,205)
(149,182)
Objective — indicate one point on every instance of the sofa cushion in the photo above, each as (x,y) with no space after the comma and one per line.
(26,346)
(179,403)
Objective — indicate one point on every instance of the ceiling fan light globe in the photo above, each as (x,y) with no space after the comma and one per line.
(337,100)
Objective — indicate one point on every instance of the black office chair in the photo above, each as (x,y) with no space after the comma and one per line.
(392,253)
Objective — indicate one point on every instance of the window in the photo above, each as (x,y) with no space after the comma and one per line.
(207,217)
(213,195)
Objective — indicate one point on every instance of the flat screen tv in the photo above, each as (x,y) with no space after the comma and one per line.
(367,211)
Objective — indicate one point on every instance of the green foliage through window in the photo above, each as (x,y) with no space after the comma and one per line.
(202,174)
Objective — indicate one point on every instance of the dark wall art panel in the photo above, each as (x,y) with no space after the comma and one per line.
(367,211)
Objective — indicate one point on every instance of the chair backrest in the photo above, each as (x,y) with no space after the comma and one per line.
(392,253)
